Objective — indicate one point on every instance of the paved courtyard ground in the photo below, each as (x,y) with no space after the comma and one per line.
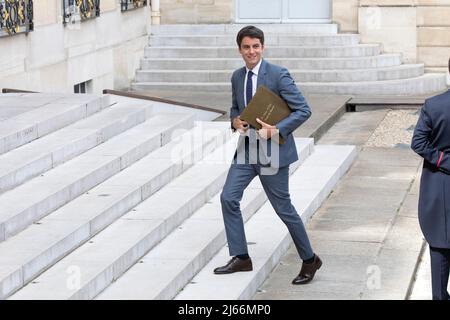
(367,231)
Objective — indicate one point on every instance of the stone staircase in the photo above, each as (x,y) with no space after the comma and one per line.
(201,58)
(123,203)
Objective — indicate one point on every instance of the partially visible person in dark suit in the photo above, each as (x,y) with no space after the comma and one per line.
(431,141)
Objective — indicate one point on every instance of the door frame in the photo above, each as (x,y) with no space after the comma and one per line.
(284,16)
(237,20)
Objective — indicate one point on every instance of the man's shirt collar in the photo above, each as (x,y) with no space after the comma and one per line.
(255,70)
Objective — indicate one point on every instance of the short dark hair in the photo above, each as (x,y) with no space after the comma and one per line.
(250,31)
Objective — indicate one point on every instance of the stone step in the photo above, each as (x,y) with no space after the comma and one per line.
(32,159)
(24,102)
(13,104)
(268,237)
(47,114)
(383,60)
(39,247)
(179,256)
(36,198)
(352,75)
(233,29)
(270,41)
(427,83)
(120,245)
(361,50)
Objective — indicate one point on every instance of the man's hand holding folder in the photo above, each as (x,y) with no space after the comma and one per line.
(264,111)
(267,131)
(240,125)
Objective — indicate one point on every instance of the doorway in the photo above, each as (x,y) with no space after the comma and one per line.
(283,11)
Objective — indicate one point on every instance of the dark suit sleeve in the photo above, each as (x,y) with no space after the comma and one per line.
(234,111)
(300,109)
(422,146)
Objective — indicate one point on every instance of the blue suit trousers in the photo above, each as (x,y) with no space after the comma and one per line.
(276,187)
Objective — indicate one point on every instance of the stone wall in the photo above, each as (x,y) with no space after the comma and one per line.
(345,13)
(196,11)
(54,57)
(433,33)
(394,26)
(420,29)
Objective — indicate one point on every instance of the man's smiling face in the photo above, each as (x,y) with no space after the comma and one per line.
(251,51)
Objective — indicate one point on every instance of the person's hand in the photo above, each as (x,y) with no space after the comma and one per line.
(267,131)
(240,125)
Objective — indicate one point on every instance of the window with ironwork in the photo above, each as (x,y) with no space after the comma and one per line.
(80,10)
(126,5)
(16,16)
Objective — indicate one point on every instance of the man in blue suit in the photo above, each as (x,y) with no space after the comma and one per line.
(431,140)
(252,156)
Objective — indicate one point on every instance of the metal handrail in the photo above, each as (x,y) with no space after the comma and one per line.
(143,96)
(9,90)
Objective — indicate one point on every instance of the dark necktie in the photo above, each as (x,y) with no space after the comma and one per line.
(249,87)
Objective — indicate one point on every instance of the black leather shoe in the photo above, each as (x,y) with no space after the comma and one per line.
(235,265)
(308,271)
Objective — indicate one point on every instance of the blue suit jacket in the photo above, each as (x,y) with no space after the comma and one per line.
(278,80)
(431,140)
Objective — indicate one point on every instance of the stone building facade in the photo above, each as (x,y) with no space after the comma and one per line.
(104,52)
(101,52)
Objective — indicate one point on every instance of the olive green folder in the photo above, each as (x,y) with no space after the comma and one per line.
(266,106)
